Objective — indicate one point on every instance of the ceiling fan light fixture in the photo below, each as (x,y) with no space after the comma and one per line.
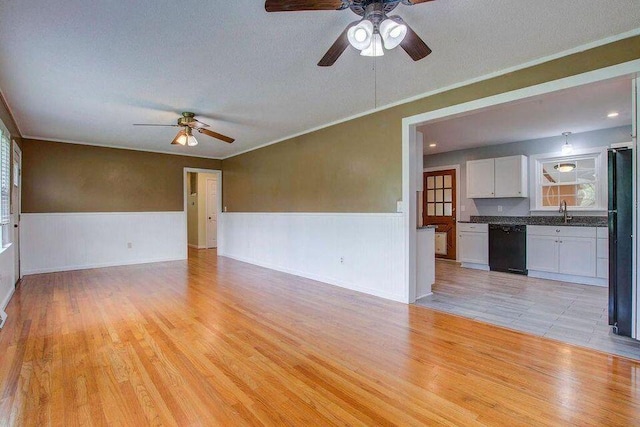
(393,32)
(192,141)
(181,138)
(361,34)
(375,48)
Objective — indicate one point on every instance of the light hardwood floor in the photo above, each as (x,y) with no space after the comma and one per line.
(219,342)
(577,314)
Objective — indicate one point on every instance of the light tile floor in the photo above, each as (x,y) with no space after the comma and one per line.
(567,312)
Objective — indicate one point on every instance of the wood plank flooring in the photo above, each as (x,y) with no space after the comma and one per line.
(219,342)
(577,314)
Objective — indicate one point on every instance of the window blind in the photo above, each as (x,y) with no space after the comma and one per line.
(5,177)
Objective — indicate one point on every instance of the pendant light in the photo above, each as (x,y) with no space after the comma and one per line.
(566,148)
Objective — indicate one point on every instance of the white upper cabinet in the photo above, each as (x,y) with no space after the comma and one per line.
(480,178)
(511,176)
(501,177)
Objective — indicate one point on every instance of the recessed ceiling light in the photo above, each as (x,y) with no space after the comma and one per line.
(613,114)
(433,144)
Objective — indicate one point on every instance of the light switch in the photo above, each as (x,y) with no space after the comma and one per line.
(399,206)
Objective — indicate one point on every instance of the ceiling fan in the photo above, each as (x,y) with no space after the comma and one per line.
(189,123)
(368,34)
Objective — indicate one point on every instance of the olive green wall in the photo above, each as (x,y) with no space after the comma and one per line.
(356,166)
(59,177)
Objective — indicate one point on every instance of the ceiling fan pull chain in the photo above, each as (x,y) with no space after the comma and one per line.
(375,84)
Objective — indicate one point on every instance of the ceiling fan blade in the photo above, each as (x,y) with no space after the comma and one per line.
(296,5)
(413,44)
(336,49)
(151,124)
(216,135)
(196,124)
(412,2)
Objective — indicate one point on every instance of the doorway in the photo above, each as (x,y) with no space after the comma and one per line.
(211,213)
(549,304)
(439,209)
(16,197)
(202,207)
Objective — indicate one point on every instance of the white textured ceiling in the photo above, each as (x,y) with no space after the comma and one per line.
(85,70)
(576,110)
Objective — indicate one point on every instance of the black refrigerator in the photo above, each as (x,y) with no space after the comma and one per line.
(620,240)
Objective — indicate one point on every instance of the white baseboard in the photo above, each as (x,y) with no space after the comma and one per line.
(475,266)
(361,252)
(7,298)
(425,295)
(581,280)
(99,265)
(52,242)
(321,278)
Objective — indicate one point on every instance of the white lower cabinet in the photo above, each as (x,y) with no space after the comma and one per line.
(564,253)
(577,256)
(474,245)
(602,252)
(542,253)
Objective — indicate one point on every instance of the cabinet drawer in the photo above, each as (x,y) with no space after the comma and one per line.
(473,228)
(561,231)
(603,249)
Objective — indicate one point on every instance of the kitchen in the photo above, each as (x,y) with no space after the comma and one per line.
(519,196)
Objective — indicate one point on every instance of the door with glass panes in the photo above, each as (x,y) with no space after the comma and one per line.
(440,210)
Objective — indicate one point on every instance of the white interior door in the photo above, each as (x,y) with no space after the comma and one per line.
(212,212)
(16,194)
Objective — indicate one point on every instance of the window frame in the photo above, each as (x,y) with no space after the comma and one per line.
(535,183)
(5,235)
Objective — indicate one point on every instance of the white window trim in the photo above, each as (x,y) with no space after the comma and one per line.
(535,199)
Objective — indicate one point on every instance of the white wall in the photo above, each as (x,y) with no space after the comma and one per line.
(71,241)
(312,244)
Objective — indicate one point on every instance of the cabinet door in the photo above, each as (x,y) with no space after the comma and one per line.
(480,178)
(510,176)
(542,253)
(474,247)
(577,256)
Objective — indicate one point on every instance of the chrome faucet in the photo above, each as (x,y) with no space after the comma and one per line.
(563,210)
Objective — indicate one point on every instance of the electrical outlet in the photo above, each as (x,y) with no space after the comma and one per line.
(499,208)
(225,208)
(129,245)
(341,260)
(463,208)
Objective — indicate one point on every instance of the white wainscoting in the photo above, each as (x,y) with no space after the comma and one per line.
(7,275)
(72,241)
(362,252)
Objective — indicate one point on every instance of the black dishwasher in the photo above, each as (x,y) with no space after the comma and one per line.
(508,248)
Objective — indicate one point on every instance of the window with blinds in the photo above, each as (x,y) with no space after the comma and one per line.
(5,178)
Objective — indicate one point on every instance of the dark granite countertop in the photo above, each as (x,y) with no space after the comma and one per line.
(426,227)
(577,221)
